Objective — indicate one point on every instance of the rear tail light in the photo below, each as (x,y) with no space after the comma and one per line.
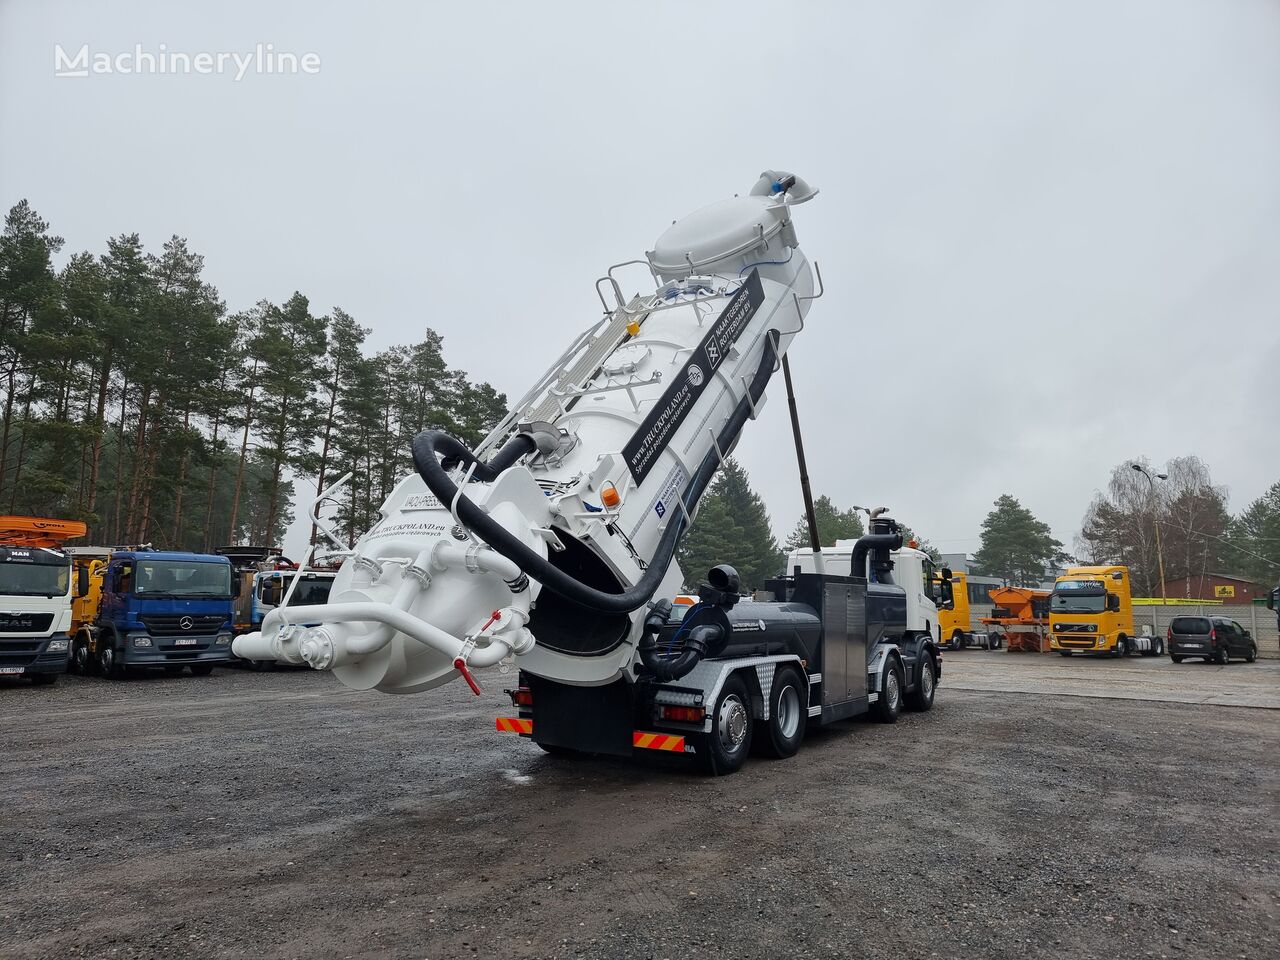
(1169,634)
(1213,636)
(521,697)
(684,714)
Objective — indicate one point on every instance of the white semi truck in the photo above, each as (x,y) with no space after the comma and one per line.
(552,543)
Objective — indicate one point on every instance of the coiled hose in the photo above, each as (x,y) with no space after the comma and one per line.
(430,445)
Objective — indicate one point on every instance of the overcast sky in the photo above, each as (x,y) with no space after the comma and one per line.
(1050,232)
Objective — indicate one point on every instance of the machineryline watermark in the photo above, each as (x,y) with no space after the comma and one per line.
(262,60)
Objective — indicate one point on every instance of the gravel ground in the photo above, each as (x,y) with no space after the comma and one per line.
(280,815)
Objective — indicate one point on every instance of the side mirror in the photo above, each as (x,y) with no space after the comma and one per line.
(944,597)
(82,581)
(1113,603)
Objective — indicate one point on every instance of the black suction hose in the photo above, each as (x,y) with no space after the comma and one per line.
(430,445)
(701,639)
(865,544)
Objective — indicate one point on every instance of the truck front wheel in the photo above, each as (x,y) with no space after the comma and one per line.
(725,748)
(781,734)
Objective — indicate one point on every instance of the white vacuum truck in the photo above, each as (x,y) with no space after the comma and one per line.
(549,543)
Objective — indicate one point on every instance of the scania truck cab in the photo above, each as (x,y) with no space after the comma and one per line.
(157,610)
(1091,611)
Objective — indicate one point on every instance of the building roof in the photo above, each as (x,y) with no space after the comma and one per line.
(1219,576)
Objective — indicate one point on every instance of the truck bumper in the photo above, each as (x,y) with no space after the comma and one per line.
(1081,643)
(19,658)
(163,653)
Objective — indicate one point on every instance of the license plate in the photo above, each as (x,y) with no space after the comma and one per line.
(11,670)
(185,642)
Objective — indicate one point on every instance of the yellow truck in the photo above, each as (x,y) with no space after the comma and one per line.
(1091,611)
(956,624)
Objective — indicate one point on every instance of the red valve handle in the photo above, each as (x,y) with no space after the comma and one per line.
(461,666)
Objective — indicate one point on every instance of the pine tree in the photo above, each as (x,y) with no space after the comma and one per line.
(1255,538)
(290,344)
(732,527)
(833,524)
(1015,545)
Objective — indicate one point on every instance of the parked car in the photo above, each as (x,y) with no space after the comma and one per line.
(1215,639)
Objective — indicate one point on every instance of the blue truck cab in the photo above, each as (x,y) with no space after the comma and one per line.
(163,609)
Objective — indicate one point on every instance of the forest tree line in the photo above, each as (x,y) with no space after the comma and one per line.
(135,401)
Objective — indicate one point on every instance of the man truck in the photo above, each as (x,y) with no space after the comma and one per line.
(1091,611)
(551,542)
(35,597)
(140,608)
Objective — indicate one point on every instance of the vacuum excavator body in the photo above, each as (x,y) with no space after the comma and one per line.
(552,544)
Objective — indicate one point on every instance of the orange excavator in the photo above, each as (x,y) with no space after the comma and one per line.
(1021,616)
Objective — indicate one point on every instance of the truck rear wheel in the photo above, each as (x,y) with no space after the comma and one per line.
(81,657)
(780,736)
(921,698)
(889,703)
(725,748)
(108,662)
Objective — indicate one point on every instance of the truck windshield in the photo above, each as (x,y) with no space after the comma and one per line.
(34,579)
(1073,601)
(182,578)
(309,591)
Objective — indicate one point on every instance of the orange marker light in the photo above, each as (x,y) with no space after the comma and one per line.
(633,327)
(610,497)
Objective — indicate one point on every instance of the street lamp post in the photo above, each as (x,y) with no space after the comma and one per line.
(1159,554)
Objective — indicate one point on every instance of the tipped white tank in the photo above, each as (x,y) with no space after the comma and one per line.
(617,429)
